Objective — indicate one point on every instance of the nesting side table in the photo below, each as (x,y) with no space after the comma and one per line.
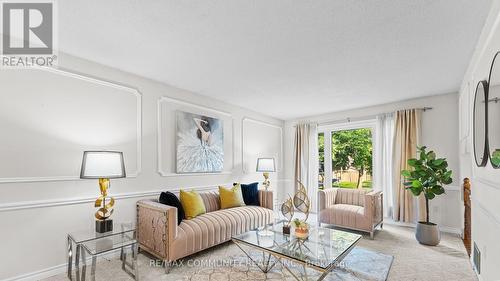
(94,244)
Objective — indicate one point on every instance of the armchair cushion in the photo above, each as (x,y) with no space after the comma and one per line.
(345,215)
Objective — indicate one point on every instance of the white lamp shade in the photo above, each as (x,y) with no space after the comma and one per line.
(266,165)
(102,164)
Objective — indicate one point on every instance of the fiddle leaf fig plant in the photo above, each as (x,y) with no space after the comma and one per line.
(427,175)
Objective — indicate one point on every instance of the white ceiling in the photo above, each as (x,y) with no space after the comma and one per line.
(287,59)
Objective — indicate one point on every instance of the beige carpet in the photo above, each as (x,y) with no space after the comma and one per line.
(412,261)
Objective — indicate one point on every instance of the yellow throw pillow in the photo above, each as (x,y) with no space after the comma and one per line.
(192,203)
(231,197)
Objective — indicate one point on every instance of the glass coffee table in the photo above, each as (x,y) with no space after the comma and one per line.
(323,250)
(123,237)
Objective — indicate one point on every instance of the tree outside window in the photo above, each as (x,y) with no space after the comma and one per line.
(351,158)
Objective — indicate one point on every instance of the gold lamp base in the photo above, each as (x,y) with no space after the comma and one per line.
(103,223)
(266,182)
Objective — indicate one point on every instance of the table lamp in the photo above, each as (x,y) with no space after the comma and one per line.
(103,165)
(266,165)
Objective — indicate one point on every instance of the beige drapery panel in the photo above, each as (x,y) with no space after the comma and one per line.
(301,148)
(406,138)
(306,159)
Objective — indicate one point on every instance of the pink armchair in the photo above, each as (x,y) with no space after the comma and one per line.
(357,209)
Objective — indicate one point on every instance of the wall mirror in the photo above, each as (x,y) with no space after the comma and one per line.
(493,109)
(480,124)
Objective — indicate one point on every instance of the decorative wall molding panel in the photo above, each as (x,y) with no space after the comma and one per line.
(260,135)
(84,200)
(166,127)
(488,182)
(489,214)
(57,116)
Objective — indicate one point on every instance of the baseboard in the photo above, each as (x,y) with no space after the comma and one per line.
(451,230)
(445,229)
(40,274)
(58,269)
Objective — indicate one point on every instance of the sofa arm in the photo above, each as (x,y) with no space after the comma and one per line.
(326,198)
(156,227)
(374,206)
(266,199)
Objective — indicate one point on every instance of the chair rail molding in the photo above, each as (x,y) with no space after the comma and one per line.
(23,205)
(161,171)
(255,121)
(102,82)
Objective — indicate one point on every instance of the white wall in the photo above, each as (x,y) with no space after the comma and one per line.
(485,182)
(439,132)
(36,216)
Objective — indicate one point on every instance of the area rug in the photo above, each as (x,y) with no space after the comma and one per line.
(360,265)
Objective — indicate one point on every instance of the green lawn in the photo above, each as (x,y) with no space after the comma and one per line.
(352,185)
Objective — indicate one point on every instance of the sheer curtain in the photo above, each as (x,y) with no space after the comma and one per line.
(306,159)
(384,165)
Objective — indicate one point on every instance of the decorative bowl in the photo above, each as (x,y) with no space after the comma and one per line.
(302,233)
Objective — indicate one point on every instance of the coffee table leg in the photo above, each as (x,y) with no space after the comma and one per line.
(92,271)
(265,261)
(84,264)
(323,276)
(134,261)
(305,277)
(70,257)
(124,258)
(77,262)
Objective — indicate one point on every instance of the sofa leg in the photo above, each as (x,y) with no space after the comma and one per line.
(382,225)
(167,266)
(371,235)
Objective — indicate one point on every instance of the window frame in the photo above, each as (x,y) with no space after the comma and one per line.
(327,130)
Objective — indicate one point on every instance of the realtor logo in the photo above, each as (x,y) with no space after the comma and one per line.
(27,34)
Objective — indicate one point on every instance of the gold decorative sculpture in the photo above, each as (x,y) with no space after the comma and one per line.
(287,209)
(105,209)
(301,201)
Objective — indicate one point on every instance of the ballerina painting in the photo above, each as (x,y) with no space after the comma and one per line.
(200,144)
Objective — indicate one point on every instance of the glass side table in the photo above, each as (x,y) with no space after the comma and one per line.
(122,237)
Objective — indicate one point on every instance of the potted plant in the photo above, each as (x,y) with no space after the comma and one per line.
(427,175)
(301,229)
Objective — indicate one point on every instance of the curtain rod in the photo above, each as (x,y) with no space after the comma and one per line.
(349,119)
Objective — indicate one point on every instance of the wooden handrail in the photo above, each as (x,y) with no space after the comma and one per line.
(467,215)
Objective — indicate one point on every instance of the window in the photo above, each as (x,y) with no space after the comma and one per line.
(346,155)
(321,157)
